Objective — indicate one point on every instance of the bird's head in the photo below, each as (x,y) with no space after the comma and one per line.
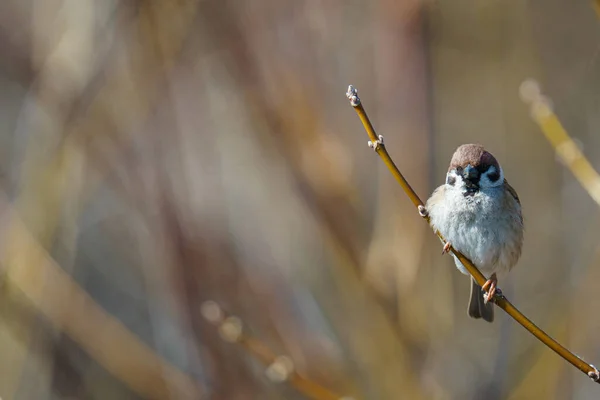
(472,168)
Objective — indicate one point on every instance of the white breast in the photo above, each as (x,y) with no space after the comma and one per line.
(478,226)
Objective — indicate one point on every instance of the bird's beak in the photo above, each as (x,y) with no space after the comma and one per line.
(471,175)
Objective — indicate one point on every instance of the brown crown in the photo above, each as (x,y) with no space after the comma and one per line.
(475,155)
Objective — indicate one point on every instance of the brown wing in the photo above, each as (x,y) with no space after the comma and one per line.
(512,191)
(514,194)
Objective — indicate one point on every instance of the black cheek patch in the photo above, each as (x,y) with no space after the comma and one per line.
(451,180)
(493,177)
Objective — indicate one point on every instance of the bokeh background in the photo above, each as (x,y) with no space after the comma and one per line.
(159,154)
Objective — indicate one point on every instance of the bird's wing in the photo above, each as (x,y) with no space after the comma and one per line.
(512,191)
(515,196)
(436,197)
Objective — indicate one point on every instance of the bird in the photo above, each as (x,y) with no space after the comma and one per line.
(479,214)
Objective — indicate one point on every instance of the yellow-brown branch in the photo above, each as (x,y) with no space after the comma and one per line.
(500,300)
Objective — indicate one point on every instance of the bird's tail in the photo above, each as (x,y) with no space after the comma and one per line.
(477,306)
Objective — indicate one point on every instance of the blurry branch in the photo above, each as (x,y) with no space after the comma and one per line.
(52,291)
(596,5)
(122,101)
(565,147)
(279,368)
(334,208)
(501,301)
(578,330)
(277,98)
(46,188)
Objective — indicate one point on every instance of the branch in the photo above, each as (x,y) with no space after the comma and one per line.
(501,301)
(565,147)
(279,368)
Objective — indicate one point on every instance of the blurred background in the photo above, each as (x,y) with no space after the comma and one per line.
(156,155)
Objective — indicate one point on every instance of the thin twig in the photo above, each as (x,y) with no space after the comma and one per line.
(37,279)
(501,301)
(279,368)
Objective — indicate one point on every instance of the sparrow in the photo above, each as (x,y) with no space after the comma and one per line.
(479,214)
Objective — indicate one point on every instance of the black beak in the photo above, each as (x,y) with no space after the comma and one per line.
(471,176)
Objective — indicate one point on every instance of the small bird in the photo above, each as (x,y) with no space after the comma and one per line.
(479,214)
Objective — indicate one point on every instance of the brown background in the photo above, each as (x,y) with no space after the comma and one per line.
(158,154)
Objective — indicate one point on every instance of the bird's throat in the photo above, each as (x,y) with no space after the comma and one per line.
(470,191)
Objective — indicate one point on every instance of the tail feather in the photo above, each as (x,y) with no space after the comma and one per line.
(477,306)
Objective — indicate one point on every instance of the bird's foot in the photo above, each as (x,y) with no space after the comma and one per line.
(490,287)
(446,248)
(422,211)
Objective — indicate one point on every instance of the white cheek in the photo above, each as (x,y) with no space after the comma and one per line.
(484,181)
(458,181)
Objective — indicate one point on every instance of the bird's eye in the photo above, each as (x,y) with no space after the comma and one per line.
(450,180)
(493,176)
